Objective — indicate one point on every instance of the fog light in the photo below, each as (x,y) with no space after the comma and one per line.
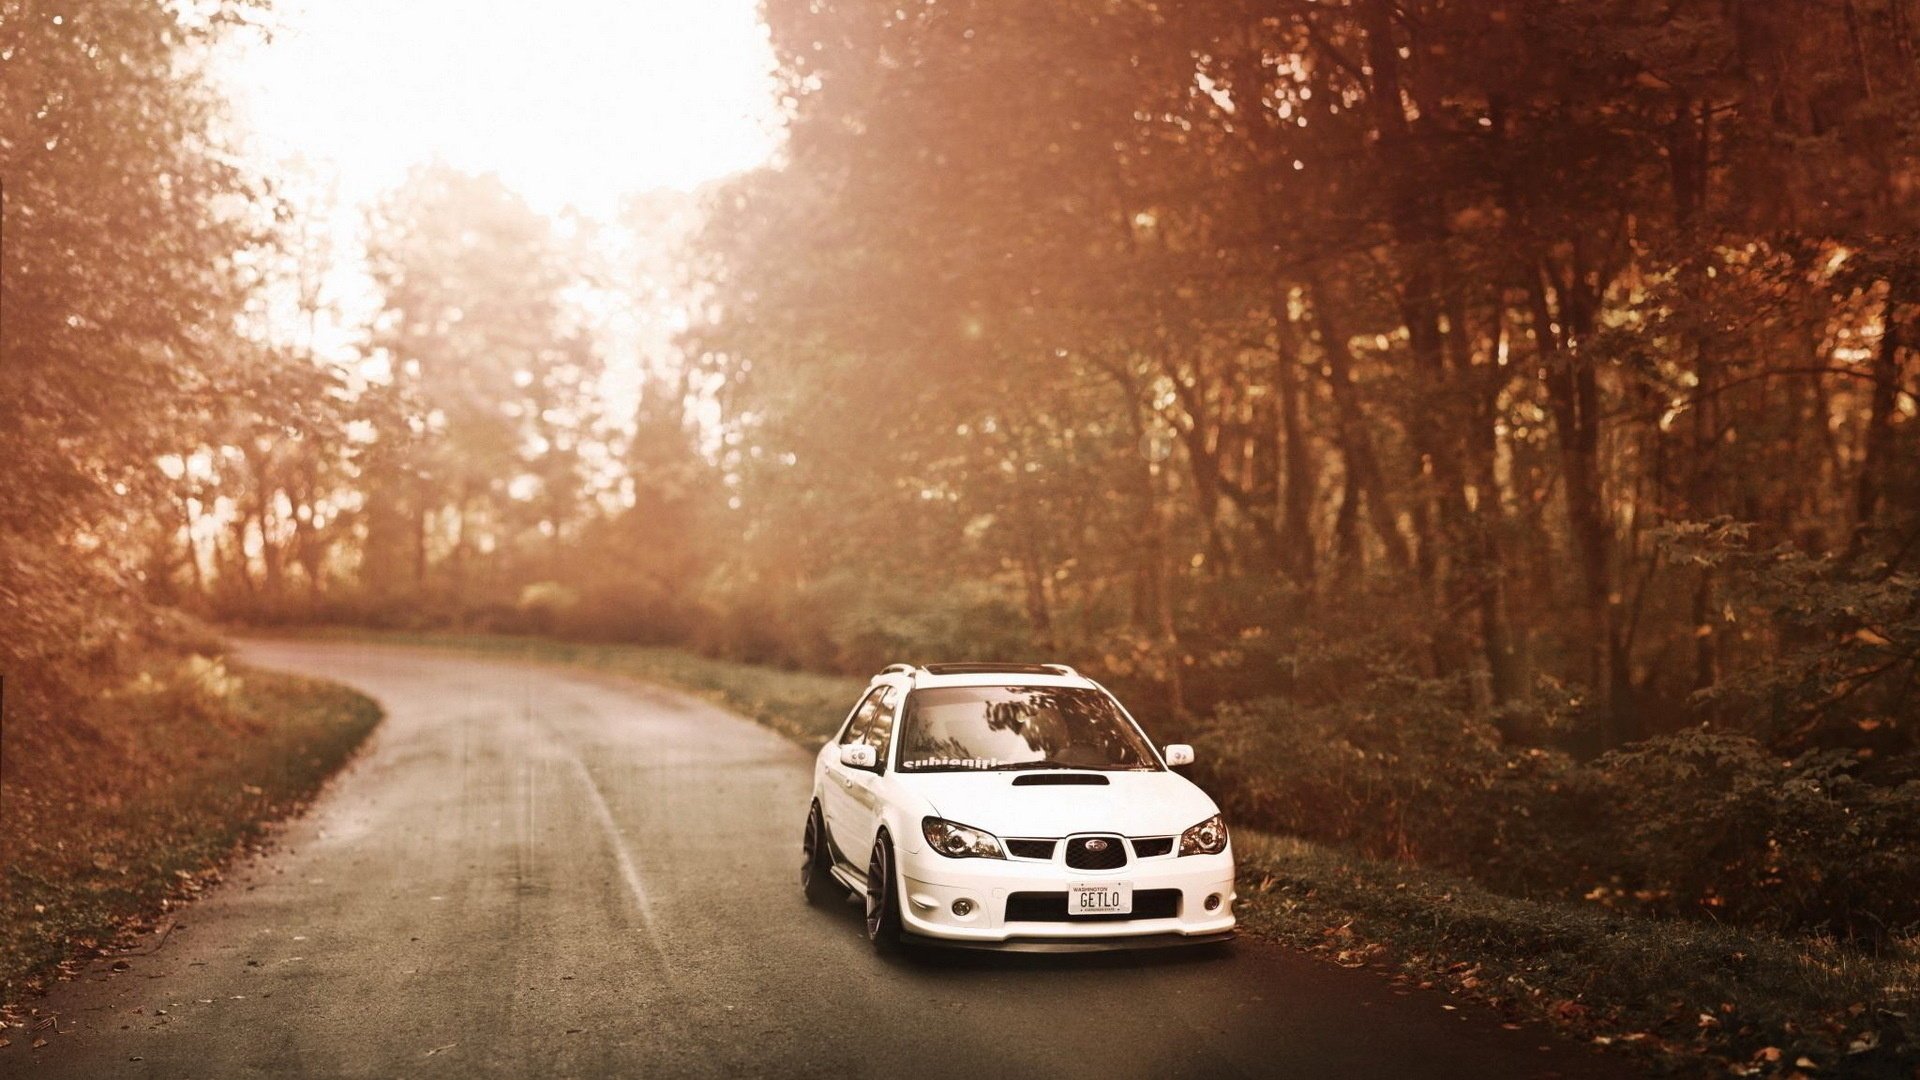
(963,907)
(1213,902)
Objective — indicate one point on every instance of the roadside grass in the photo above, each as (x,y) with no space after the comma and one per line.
(1687,996)
(1749,1003)
(800,705)
(118,813)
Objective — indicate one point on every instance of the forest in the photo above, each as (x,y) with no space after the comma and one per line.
(1486,429)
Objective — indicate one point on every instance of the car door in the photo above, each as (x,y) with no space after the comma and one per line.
(861,817)
(837,803)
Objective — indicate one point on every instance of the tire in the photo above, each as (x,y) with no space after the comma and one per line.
(816,865)
(883,898)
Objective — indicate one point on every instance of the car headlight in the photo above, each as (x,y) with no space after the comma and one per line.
(1207,838)
(957,841)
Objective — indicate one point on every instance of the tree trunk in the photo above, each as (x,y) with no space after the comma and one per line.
(192,549)
(1300,478)
(419,547)
(1574,395)
(1203,466)
(1878,448)
(1486,556)
(1416,217)
(1366,485)
(1039,609)
(1152,615)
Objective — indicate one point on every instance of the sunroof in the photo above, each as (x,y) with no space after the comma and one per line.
(994,669)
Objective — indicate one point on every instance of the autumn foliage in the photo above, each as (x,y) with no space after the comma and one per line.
(1488,426)
(1488,429)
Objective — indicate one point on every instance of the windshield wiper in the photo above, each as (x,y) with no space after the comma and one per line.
(1048,763)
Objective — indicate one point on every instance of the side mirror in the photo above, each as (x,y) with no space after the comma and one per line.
(861,756)
(1177,754)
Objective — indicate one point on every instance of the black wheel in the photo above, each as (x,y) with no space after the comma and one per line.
(883,897)
(816,876)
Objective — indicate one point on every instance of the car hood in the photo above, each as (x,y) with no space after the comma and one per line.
(1131,803)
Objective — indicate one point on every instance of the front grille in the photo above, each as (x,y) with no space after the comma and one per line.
(1146,847)
(1052,907)
(1031,849)
(1111,856)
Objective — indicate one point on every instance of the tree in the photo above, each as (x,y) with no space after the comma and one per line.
(493,388)
(119,284)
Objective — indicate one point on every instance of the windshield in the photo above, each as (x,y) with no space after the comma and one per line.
(984,728)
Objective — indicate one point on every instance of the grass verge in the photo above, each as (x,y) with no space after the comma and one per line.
(1691,996)
(798,704)
(118,813)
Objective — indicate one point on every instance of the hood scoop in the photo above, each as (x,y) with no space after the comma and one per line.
(1060,780)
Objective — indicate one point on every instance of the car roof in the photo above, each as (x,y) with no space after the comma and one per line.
(983,674)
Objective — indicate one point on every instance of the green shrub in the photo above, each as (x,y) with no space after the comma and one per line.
(1392,773)
(1699,824)
(1711,823)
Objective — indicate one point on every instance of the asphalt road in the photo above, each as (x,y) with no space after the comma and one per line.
(531,872)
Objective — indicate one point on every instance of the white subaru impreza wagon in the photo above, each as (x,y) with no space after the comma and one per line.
(1013,806)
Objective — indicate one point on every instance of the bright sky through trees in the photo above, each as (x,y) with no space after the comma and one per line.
(571,102)
(574,104)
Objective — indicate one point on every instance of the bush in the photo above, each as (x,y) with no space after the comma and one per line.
(1710,823)
(1698,824)
(1393,772)
(856,624)
(130,794)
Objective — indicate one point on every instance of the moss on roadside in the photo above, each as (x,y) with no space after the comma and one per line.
(117,813)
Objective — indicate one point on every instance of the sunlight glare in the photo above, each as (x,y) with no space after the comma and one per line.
(572,102)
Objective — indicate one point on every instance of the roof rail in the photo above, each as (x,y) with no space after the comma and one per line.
(894,669)
(1064,670)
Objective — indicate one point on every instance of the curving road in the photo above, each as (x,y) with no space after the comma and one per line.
(533,872)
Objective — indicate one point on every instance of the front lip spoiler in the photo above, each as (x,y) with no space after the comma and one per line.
(1072,944)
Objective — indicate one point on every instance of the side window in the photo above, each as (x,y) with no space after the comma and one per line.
(879,734)
(861,719)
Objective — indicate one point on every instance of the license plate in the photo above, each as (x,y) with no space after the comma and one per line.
(1105,898)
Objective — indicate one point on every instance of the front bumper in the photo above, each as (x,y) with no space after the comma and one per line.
(933,882)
